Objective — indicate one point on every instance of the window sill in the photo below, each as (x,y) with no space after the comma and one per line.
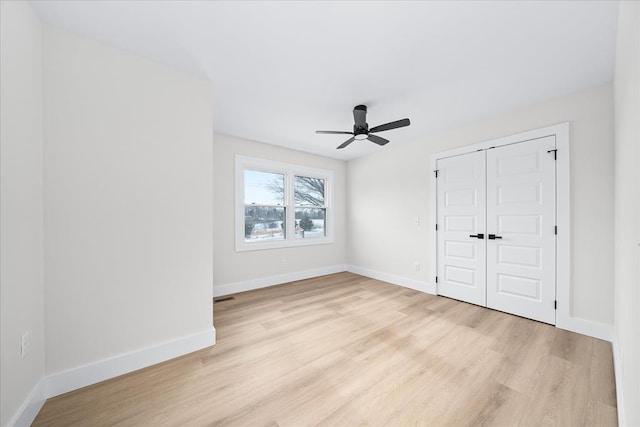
(260,246)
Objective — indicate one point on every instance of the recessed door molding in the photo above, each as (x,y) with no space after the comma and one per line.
(563,210)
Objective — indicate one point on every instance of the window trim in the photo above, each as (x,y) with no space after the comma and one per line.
(289,170)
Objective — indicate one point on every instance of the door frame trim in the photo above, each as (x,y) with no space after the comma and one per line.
(563,209)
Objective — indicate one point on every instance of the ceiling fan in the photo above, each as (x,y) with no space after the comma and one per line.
(361,128)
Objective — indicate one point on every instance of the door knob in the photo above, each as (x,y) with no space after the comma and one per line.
(493,237)
(479,235)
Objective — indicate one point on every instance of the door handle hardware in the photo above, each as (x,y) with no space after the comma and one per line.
(493,237)
(479,235)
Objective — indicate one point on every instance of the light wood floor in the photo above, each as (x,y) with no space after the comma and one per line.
(344,350)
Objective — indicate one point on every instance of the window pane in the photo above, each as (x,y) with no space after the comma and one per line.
(311,222)
(309,191)
(264,223)
(263,188)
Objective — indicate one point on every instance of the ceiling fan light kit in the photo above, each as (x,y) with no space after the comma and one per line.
(361,128)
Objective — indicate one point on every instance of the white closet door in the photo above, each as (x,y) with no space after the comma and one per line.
(461,214)
(521,260)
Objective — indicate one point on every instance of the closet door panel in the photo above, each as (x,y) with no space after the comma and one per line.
(521,197)
(461,214)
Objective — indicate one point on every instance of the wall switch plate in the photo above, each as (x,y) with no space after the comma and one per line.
(416,266)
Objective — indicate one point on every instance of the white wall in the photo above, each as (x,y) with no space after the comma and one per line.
(627,210)
(387,190)
(21,264)
(236,270)
(128,202)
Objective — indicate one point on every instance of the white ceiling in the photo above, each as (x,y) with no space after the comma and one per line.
(281,70)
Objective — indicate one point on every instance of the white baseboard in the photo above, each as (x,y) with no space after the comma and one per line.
(586,327)
(574,324)
(29,409)
(393,279)
(263,282)
(617,371)
(82,376)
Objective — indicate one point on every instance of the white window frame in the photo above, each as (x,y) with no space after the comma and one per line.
(290,171)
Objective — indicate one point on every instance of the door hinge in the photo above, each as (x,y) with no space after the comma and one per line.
(555,305)
(436,172)
(436,279)
(555,229)
(555,153)
(436,227)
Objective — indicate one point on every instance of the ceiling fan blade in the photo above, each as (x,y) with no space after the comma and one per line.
(377,139)
(392,125)
(360,115)
(347,142)
(334,131)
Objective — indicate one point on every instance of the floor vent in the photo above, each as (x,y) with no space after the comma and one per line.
(223,299)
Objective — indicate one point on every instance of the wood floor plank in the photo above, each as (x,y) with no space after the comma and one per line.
(560,394)
(522,363)
(345,350)
(602,385)
(600,414)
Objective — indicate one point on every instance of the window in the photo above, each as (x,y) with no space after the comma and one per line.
(311,210)
(281,205)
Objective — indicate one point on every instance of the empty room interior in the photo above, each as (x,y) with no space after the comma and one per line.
(320,213)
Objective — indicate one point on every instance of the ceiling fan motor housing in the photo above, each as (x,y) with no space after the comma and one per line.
(361,127)
(360,130)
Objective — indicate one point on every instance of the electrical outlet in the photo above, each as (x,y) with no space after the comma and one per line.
(416,266)
(416,220)
(24,345)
